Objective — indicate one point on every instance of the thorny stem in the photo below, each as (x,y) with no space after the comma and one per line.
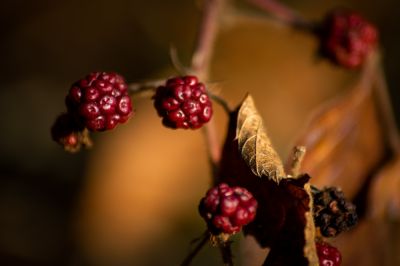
(283,13)
(203,240)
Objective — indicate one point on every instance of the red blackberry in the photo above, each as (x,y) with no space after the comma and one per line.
(347,38)
(68,134)
(100,101)
(328,255)
(226,209)
(183,103)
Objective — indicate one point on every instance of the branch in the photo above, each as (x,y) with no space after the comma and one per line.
(191,255)
(206,37)
(283,14)
(140,87)
(226,253)
(201,65)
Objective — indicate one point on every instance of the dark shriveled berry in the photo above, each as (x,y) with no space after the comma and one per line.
(226,209)
(347,38)
(100,101)
(70,135)
(333,214)
(183,103)
(328,255)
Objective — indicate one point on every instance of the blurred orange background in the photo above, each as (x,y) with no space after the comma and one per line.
(132,199)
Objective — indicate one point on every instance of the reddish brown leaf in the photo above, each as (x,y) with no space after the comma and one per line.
(384,197)
(345,142)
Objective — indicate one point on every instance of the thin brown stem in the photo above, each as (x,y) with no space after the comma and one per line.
(385,108)
(200,65)
(221,101)
(283,13)
(203,240)
(226,253)
(140,87)
(206,37)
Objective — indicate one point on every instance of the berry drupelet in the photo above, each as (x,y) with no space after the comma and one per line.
(347,38)
(332,212)
(100,101)
(226,209)
(183,103)
(328,255)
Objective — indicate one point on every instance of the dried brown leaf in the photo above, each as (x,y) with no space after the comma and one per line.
(283,221)
(254,145)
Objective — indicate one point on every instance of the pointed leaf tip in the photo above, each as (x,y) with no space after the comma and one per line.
(254,144)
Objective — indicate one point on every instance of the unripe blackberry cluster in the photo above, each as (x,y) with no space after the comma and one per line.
(332,212)
(183,103)
(69,134)
(100,101)
(347,38)
(328,255)
(226,209)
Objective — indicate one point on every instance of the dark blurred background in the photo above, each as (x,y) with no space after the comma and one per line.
(132,199)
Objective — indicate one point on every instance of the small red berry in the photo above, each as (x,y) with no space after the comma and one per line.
(183,103)
(226,209)
(100,101)
(347,38)
(328,255)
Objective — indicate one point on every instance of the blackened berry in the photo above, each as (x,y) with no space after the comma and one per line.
(183,103)
(328,255)
(72,136)
(100,101)
(226,209)
(332,212)
(347,38)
